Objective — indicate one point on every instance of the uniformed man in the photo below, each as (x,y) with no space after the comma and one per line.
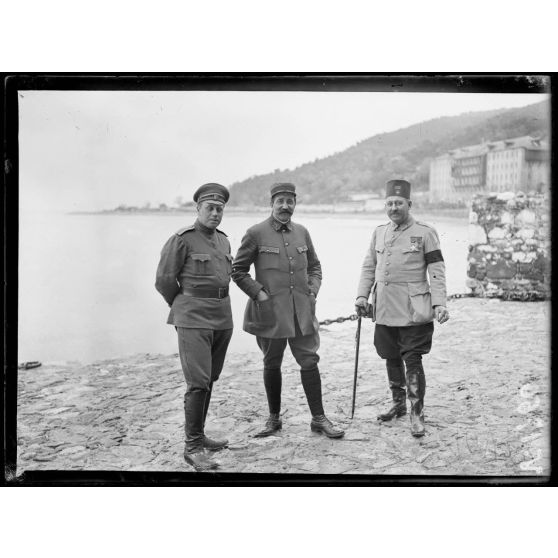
(403,303)
(193,276)
(282,305)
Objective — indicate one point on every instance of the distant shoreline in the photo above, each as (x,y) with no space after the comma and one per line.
(457,213)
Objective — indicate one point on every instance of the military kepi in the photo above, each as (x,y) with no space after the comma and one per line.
(283,188)
(400,188)
(212,192)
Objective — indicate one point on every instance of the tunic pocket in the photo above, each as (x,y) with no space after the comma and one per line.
(412,255)
(269,257)
(265,315)
(420,302)
(202,264)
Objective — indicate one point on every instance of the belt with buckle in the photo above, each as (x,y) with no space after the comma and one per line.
(221,292)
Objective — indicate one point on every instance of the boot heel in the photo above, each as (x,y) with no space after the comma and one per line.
(315,428)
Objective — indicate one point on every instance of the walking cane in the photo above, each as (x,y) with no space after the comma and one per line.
(356,365)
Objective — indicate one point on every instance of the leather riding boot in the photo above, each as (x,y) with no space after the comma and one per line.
(272,424)
(396,377)
(207,401)
(312,384)
(416,387)
(194,454)
(210,443)
(273,382)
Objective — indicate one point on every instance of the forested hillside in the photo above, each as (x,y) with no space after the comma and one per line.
(406,153)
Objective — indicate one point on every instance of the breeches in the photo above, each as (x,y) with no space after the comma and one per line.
(202,354)
(408,343)
(304,349)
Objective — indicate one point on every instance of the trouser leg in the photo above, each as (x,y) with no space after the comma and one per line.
(195,348)
(219,346)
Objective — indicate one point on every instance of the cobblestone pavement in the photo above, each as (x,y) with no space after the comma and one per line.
(487,406)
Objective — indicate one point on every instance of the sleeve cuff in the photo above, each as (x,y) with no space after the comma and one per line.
(255,288)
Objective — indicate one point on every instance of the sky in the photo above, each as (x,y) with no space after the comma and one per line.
(94,150)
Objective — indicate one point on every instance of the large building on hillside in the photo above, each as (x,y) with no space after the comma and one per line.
(512,165)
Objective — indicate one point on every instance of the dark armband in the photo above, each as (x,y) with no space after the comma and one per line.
(433,257)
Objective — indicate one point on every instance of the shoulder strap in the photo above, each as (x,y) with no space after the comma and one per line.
(185,230)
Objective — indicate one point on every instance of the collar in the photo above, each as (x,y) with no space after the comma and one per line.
(203,229)
(403,226)
(278,226)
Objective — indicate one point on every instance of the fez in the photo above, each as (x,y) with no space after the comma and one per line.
(212,192)
(283,188)
(400,188)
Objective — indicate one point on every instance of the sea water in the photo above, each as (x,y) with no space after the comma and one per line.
(86,282)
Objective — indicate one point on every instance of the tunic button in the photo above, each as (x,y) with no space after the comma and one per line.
(387,272)
(389,253)
(386,283)
(290,257)
(292,272)
(292,287)
(286,243)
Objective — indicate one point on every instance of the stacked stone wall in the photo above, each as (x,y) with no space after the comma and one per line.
(509,246)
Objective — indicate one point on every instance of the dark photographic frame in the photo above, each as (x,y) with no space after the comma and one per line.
(446,83)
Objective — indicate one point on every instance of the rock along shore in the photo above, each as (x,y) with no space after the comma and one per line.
(487,406)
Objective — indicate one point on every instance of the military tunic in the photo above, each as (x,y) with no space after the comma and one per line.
(196,258)
(395,272)
(288,269)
